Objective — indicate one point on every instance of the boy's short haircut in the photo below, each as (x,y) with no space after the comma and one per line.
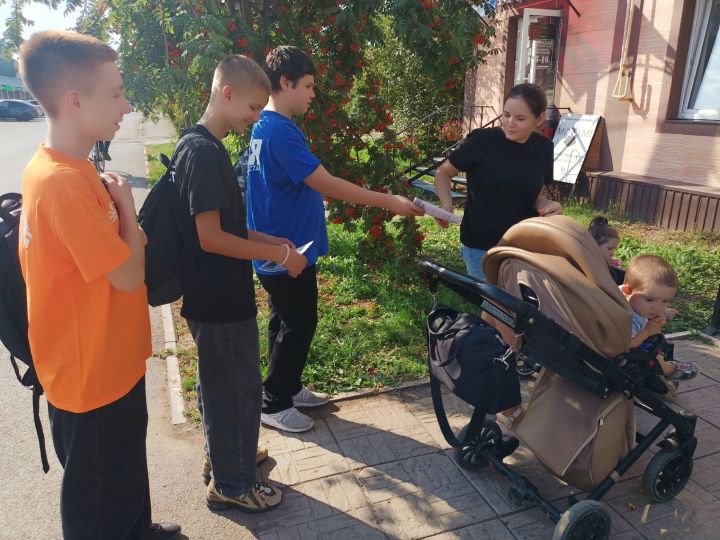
(55,61)
(645,270)
(290,61)
(239,71)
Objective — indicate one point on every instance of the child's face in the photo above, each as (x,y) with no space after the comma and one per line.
(244,106)
(300,95)
(100,107)
(609,248)
(651,300)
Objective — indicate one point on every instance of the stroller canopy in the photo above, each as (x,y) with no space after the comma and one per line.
(559,260)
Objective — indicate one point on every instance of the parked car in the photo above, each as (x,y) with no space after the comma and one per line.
(17,109)
(35,103)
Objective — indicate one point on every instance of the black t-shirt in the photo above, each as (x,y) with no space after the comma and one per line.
(216,289)
(504,179)
(618,274)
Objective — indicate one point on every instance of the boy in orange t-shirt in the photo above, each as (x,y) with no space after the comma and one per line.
(82,256)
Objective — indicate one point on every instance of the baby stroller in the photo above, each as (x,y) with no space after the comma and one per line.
(554,291)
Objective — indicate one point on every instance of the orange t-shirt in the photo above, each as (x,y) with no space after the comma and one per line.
(89,341)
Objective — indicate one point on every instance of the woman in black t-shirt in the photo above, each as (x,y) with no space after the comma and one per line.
(506,168)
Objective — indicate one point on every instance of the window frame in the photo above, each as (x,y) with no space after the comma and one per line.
(697,33)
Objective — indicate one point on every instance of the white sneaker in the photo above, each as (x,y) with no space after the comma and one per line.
(290,420)
(308,398)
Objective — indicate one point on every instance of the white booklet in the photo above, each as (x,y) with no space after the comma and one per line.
(272,266)
(436,211)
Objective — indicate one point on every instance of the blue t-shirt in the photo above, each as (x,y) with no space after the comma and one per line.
(278,200)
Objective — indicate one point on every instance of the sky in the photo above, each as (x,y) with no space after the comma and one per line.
(44,17)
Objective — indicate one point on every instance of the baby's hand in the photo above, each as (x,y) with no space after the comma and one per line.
(654,325)
(670,313)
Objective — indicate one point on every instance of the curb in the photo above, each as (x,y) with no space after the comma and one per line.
(358,394)
(692,334)
(177,403)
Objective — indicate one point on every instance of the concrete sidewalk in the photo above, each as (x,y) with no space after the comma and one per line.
(378,467)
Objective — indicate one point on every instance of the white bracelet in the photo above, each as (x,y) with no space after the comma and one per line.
(287,255)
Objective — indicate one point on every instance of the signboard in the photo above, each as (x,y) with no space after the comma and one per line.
(573,138)
(543,53)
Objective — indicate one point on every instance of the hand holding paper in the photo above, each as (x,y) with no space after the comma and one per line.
(436,211)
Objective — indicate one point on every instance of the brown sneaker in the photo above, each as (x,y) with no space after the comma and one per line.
(260,456)
(262,498)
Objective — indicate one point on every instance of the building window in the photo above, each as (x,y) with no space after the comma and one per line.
(701,88)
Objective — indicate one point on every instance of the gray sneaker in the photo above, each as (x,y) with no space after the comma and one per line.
(290,420)
(308,398)
(262,498)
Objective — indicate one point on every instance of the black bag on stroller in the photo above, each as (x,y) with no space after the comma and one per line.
(469,358)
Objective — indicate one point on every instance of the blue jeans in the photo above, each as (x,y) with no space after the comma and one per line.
(473,261)
(229,393)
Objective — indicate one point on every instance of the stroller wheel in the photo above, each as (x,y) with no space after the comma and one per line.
(666,474)
(524,366)
(586,520)
(469,455)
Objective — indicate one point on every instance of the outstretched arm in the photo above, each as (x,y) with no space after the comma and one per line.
(337,188)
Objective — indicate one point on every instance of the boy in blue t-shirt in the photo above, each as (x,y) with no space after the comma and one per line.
(285,189)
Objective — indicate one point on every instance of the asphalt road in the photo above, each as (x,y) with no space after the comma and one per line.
(18,142)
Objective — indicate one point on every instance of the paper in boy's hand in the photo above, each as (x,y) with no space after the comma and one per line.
(272,266)
(436,211)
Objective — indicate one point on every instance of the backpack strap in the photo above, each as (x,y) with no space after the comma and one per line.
(13,361)
(37,391)
(474,427)
(182,141)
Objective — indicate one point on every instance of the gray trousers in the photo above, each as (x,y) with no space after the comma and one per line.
(229,393)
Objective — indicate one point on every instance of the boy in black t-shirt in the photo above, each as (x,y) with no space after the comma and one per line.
(218,292)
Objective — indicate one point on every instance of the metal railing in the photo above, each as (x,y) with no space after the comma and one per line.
(14,94)
(429,161)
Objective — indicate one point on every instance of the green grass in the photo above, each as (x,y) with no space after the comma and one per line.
(155,168)
(695,257)
(370,330)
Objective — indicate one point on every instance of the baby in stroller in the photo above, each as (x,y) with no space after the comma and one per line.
(650,283)
(579,422)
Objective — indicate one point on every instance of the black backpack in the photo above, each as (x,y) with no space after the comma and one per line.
(169,228)
(469,358)
(13,308)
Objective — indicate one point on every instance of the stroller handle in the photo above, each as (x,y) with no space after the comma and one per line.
(474,290)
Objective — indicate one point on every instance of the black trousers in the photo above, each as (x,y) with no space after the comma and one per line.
(293,319)
(105,492)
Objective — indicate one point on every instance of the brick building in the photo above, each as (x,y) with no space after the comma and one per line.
(650,69)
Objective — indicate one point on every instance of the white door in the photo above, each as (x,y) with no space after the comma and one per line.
(538,42)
